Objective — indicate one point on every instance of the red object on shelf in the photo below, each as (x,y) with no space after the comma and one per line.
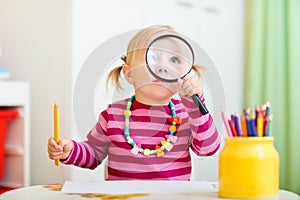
(5,116)
(6,189)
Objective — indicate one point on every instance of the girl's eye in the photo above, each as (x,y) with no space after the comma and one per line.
(174,60)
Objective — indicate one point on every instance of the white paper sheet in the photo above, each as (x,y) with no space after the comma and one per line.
(147,187)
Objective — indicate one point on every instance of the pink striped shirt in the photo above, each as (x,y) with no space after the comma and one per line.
(148,126)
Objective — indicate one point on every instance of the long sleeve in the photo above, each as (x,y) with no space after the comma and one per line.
(149,126)
(205,139)
(90,153)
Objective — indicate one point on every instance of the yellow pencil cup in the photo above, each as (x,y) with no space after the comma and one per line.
(248,168)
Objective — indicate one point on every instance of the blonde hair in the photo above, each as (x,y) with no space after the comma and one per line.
(139,42)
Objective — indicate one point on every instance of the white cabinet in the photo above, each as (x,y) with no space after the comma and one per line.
(16,95)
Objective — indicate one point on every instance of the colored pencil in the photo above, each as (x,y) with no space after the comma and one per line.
(227,127)
(237,124)
(252,125)
(268,109)
(268,125)
(260,125)
(249,124)
(256,113)
(244,126)
(56,128)
(234,133)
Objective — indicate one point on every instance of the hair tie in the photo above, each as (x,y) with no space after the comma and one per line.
(124,58)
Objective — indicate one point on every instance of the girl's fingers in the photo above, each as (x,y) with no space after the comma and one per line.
(63,142)
(53,146)
(66,144)
(54,155)
(54,149)
(59,150)
(191,86)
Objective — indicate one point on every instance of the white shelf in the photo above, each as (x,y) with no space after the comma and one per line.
(16,95)
(14,150)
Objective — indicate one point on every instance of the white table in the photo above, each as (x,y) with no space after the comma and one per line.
(52,192)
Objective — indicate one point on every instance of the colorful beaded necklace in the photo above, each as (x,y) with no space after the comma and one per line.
(165,144)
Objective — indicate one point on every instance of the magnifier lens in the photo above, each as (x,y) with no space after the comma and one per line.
(169,58)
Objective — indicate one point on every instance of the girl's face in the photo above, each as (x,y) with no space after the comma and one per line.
(148,89)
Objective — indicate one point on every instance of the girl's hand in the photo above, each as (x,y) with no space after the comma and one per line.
(60,150)
(189,86)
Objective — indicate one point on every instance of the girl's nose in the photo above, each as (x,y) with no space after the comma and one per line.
(161,70)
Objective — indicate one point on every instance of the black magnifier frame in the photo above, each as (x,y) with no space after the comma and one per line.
(195,97)
(164,36)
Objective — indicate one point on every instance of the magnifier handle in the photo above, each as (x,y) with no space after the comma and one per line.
(200,104)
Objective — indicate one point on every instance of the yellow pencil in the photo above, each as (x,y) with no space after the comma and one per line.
(56,128)
(260,124)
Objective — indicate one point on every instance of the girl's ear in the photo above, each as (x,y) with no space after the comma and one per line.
(127,73)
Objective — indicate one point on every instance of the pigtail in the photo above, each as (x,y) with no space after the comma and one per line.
(196,69)
(114,75)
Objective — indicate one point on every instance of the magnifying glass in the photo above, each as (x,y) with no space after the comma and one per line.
(169,58)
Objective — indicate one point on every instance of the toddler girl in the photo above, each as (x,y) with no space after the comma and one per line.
(147,136)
